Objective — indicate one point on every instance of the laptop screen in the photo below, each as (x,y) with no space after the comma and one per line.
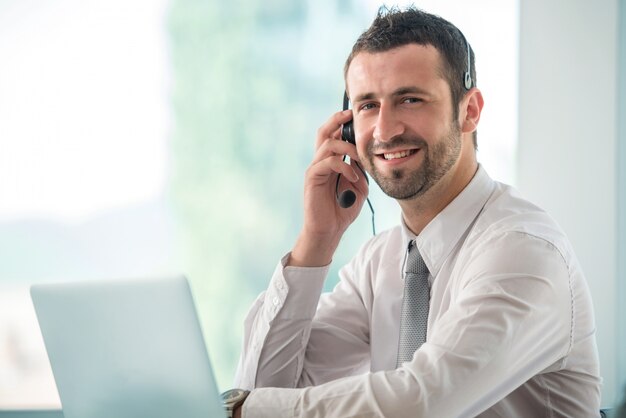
(127,348)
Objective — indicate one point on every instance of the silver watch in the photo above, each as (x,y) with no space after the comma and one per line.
(232,399)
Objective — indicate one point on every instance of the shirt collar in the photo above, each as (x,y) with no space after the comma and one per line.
(443,233)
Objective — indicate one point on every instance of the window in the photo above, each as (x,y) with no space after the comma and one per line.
(154,137)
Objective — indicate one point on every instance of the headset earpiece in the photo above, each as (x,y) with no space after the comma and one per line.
(347,130)
(468,81)
(468,75)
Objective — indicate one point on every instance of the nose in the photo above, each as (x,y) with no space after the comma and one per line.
(388,125)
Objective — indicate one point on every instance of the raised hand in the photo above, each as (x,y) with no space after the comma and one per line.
(324,220)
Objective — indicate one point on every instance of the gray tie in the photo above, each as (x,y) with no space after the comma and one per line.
(415,305)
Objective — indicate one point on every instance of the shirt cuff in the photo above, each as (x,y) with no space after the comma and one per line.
(282,404)
(302,285)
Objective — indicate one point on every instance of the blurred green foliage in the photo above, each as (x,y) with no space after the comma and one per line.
(252,81)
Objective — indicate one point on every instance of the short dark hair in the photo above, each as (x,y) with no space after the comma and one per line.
(394,27)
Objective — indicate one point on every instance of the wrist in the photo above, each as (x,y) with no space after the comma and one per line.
(237,412)
(313,250)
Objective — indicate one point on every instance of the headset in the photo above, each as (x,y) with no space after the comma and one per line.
(347,198)
(467,78)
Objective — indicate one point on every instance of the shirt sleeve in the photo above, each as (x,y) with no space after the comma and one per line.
(277,327)
(292,339)
(509,319)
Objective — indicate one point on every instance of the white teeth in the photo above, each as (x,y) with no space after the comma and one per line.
(394,155)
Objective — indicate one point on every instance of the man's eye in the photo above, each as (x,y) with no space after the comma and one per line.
(412,100)
(368,106)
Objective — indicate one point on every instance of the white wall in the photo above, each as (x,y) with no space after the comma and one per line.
(568,141)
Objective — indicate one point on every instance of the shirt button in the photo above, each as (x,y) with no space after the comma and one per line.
(276,301)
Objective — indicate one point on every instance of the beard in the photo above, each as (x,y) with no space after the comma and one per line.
(404,184)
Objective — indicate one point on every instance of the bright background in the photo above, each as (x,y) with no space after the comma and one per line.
(142,138)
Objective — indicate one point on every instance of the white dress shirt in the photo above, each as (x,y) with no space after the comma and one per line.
(510,332)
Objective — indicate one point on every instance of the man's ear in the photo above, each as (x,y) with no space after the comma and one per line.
(471,107)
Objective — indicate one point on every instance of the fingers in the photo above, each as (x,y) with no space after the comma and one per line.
(328,141)
(322,169)
(330,149)
(361,183)
(331,129)
(333,148)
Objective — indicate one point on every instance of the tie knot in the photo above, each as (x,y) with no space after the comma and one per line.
(415,263)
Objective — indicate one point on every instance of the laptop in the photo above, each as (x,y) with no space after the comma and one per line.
(127,349)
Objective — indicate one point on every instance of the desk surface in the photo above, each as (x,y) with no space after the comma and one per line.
(40,413)
(59,414)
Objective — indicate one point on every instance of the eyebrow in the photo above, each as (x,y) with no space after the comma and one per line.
(397,92)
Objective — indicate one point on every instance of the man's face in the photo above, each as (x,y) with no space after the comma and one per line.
(403,118)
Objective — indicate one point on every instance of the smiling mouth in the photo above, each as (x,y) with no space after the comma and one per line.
(397,155)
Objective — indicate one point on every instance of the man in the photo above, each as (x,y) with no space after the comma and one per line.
(493,316)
